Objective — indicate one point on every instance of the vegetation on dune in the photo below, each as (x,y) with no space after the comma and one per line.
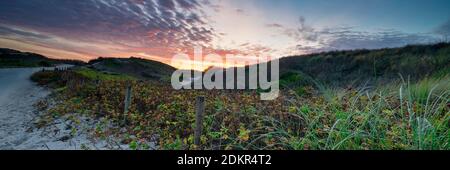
(136,67)
(355,67)
(8,63)
(12,58)
(96,75)
(404,116)
(46,78)
(379,99)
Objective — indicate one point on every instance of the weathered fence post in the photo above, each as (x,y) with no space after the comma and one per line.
(199,109)
(127,101)
(127,98)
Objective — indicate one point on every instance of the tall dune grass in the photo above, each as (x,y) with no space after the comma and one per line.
(410,116)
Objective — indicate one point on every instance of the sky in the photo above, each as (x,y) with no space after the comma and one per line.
(159,29)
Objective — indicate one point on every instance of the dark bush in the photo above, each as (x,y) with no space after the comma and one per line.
(45,77)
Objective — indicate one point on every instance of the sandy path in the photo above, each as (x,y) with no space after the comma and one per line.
(17,95)
(17,114)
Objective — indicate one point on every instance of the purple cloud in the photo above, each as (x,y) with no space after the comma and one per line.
(345,38)
(138,23)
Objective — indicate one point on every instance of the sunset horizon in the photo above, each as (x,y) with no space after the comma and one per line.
(157,30)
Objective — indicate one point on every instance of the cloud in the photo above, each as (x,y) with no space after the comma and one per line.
(352,39)
(310,39)
(240,11)
(274,25)
(188,4)
(167,4)
(305,31)
(302,33)
(161,28)
(443,30)
(142,24)
(8,32)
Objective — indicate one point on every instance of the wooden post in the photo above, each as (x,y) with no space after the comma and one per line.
(127,98)
(199,109)
(127,103)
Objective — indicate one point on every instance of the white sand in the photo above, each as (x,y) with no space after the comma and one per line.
(17,117)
